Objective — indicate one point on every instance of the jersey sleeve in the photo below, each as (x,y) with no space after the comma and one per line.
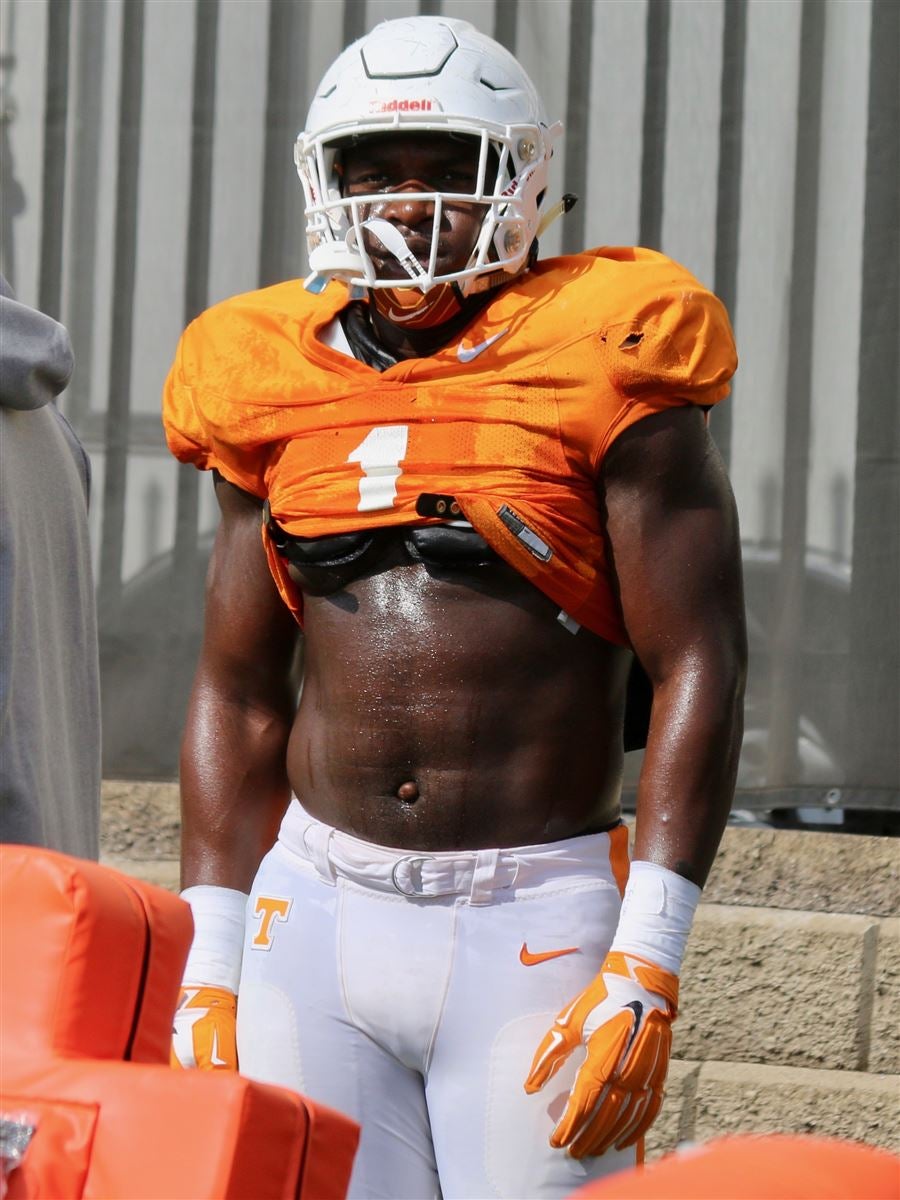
(670,345)
(202,421)
(183,426)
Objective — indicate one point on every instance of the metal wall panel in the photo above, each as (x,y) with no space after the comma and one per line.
(23,89)
(760,313)
(238,147)
(838,289)
(146,154)
(692,134)
(612,200)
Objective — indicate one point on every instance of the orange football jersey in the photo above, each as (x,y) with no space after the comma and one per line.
(513,419)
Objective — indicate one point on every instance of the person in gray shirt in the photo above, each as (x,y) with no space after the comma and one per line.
(49,674)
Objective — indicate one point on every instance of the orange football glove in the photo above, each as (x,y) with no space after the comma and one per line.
(624,1019)
(204,1030)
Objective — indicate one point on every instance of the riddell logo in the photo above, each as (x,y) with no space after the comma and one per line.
(516,184)
(389,106)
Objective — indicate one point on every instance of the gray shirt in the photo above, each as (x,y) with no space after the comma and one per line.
(49,679)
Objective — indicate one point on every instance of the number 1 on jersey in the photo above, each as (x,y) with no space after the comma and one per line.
(379,455)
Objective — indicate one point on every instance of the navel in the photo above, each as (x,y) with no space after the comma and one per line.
(408,792)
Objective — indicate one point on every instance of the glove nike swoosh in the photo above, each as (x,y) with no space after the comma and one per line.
(214,1059)
(638,1009)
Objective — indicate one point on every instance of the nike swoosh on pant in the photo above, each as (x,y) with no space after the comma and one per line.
(465,354)
(527,959)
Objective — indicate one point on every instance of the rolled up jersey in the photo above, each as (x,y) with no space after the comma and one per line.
(512,419)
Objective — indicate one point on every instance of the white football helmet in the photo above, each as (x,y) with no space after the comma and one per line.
(437,75)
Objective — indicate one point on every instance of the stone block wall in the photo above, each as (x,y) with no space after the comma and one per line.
(790,1001)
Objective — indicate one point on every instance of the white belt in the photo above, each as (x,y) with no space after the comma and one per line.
(420,875)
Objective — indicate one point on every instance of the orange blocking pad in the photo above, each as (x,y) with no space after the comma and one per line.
(758,1167)
(91,959)
(149,1133)
(91,967)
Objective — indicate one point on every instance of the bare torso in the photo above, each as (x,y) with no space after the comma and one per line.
(447,707)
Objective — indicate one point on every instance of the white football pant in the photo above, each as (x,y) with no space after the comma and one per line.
(411,990)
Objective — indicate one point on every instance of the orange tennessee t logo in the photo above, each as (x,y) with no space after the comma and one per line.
(271,909)
(527,959)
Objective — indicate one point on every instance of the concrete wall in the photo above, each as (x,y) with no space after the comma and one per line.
(790,990)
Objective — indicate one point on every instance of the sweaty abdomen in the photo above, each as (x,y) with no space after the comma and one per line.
(445,706)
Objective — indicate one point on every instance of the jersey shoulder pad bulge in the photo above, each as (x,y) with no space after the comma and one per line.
(661,333)
(235,365)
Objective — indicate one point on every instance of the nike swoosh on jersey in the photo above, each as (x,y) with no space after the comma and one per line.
(465,354)
(527,959)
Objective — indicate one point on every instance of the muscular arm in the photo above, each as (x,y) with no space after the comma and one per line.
(234,785)
(673,537)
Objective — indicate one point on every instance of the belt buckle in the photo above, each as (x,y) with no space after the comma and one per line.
(415,894)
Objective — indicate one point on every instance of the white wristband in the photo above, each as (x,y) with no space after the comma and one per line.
(657,913)
(218,946)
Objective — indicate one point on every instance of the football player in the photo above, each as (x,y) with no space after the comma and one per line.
(481,484)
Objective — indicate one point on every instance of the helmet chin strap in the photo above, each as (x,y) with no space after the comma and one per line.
(415,307)
(411,307)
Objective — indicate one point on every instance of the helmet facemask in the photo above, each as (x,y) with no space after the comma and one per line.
(509,185)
